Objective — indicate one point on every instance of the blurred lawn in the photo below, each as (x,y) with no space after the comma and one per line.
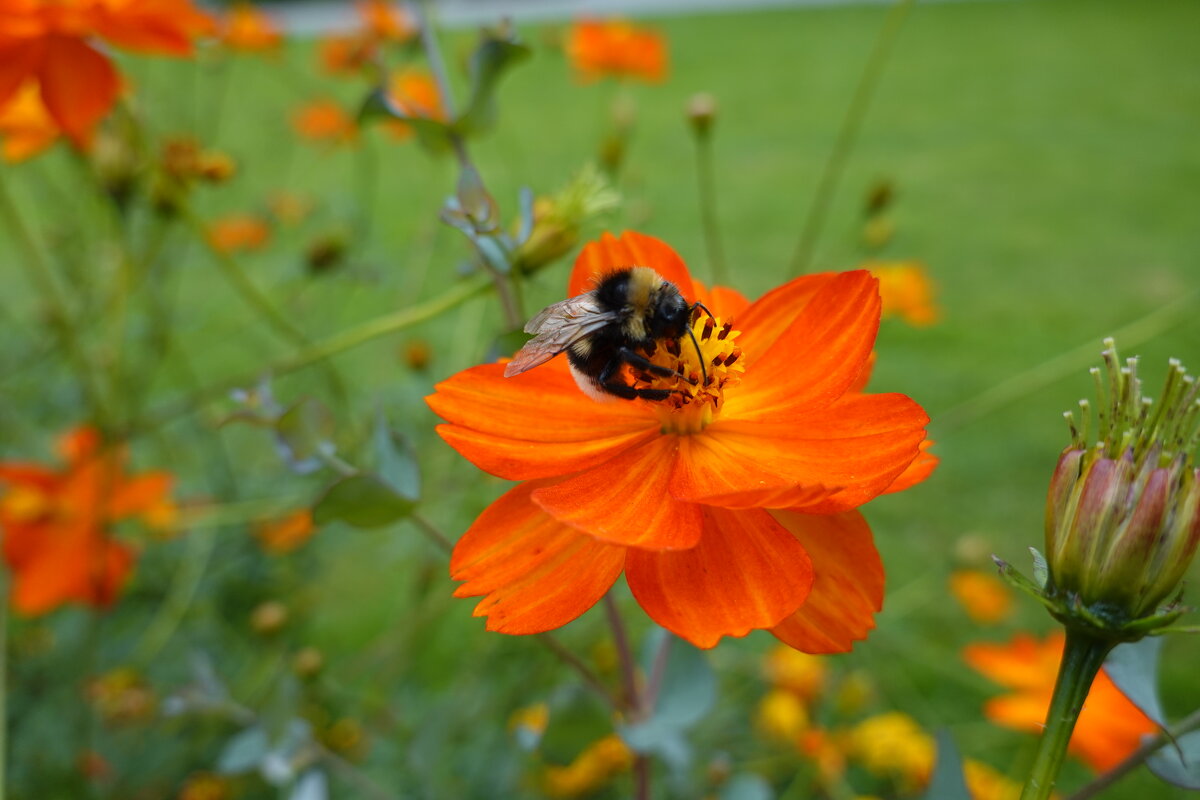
(1047,168)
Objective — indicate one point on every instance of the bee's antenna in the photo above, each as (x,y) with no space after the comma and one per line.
(698,304)
(699,352)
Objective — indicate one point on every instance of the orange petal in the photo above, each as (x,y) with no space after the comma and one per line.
(75,565)
(625,501)
(721,300)
(535,573)
(847,591)
(79,86)
(630,250)
(817,358)
(153,26)
(747,572)
(28,475)
(826,461)
(533,425)
(916,472)
(139,494)
(19,60)
(1022,663)
(1110,726)
(769,316)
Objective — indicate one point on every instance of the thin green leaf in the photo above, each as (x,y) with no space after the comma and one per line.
(496,53)
(948,781)
(1133,667)
(363,501)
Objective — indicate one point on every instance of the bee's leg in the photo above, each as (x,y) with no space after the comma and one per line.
(641,362)
(627,392)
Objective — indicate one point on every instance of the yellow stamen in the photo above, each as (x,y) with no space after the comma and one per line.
(696,393)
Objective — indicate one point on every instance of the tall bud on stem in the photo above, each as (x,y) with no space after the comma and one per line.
(1122,526)
(1123,514)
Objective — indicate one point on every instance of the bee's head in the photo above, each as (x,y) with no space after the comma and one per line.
(671,314)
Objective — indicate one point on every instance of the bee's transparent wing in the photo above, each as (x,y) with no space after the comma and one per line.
(556,328)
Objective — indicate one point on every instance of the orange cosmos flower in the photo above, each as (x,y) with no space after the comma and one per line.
(616,48)
(984,596)
(246,28)
(284,535)
(384,20)
(55,523)
(1110,727)
(675,493)
(53,45)
(415,94)
(907,291)
(238,232)
(325,121)
(26,125)
(346,55)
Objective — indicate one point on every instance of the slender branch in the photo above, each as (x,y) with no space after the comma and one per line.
(432,532)
(657,672)
(3,682)
(831,172)
(570,659)
(324,349)
(641,764)
(246,289)
(707,195)
(1138,757)
(506,290)
(1143,329)
(41,276)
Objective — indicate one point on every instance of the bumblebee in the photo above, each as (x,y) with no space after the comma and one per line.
(602,330)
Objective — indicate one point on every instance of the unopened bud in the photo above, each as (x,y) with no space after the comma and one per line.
(1123,515)
(308,662)
(269,617)
(702,112)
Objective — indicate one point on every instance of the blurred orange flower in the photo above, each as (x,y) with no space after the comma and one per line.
(1110,727)
(289,208)
(616,48)
(325,121)
(238,232)
(907,291)
(984,596)
(53,45)
(55,522)
(246,28)
(284,535)
(415,94)
(384,20)
(346,55)
(676,493)
(26,125)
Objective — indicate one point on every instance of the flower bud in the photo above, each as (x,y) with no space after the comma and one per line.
(701,112)
(1123,515)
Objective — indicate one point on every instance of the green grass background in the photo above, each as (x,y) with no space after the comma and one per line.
(1047,167)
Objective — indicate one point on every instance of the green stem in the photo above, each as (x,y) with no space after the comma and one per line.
(319,351)
(707,196)
(1083,655)
(632,703)
(249,292)
(37,267)
(3,681)
(831,172)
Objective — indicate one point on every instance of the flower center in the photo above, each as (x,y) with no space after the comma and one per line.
(696,393)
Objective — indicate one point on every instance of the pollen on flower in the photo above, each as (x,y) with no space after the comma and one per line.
(696,393)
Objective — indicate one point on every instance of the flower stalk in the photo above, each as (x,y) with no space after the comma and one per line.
(1083,655)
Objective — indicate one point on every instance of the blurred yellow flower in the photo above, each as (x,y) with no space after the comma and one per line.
(205,786)
(797,672)
(984,596)
(906,290)
(594,767)
(893,745)
(122,695)
(854,692)
(781,715)
(533,718)
(986,783)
